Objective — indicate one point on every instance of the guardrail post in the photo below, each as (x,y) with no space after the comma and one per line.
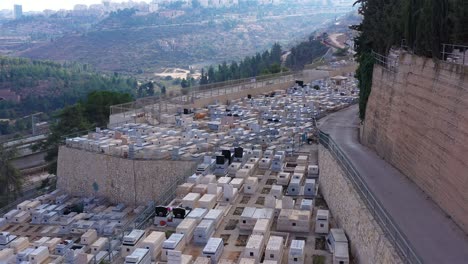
(464,55)
(443,52)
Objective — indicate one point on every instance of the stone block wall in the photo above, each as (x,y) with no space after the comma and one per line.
(367,240)
(417,120)
(134,182)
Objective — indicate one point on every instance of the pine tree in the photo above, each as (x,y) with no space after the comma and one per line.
(211,75)
(275,53)
(10,178)
(203,77)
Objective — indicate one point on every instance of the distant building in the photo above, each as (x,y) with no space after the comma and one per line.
(41,128)
(18,11)
(97,7)
(171,13)
(80,7)
(266,2)
(153,7)
(80,10)
(48,12)
(142,7)
(106,3)
(203,3)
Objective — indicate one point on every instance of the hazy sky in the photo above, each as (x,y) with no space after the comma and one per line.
(39,5)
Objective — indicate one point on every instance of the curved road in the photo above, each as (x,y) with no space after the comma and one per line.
(434,236)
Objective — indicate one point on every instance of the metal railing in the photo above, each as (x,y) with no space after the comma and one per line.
(74,134)
(450,53)
(209,90)
(382,217)
(249,83)
(127,228)
(23,140)
(388,62)
(456,54)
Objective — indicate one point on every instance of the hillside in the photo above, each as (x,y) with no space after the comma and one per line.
(146,46)
(44,86)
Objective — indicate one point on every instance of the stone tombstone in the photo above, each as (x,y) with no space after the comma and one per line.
(288,202)
(228,190)
(270,201)
(212,188)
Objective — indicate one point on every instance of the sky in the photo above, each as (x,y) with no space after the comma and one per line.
(39,5)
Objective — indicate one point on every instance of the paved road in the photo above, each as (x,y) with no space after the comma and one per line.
(30,161)
(434,236)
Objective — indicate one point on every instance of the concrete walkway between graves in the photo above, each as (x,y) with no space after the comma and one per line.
(433,235)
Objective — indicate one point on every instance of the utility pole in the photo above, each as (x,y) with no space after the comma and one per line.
(33,123)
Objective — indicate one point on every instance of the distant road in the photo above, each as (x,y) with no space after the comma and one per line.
(27,158)
(434,236)
(31,161)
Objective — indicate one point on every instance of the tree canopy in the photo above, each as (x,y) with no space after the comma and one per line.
(98,103)
(46,86)
(82,116)
(10,180)
(267,62)
(424,25)
(304,53)
(421,25)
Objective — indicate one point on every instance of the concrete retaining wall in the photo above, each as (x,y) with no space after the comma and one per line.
(133,182)
(368,243)
(417,120)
